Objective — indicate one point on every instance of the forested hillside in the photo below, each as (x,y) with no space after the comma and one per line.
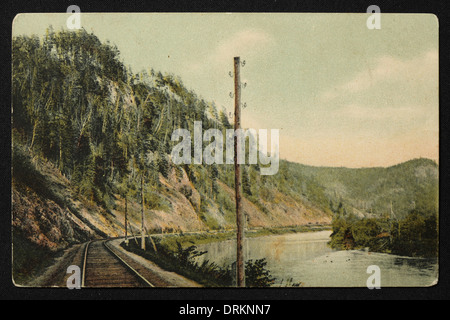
(376,192)
(91,137)
(81,115)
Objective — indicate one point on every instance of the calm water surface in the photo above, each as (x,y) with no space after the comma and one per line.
(306,258)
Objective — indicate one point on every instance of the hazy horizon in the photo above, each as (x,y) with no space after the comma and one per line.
(375,167)
(342,95)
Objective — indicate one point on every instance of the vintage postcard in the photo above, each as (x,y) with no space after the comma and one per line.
(225,150)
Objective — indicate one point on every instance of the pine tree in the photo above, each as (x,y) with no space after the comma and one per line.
(163,163)
(246,186)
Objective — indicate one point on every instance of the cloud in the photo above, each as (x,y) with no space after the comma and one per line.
(246,44)
(243,43)
(422,68)
(402,113)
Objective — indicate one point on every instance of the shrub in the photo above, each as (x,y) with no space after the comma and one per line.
(257,275)
(182,260)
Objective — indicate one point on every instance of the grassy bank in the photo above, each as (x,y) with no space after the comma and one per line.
(178,253)
(182,261)
(170,240)
(29,259)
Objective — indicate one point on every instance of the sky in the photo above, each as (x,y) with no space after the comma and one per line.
(341,95)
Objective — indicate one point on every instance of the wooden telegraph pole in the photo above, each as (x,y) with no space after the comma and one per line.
(126,220)
(142,214)
(240,267)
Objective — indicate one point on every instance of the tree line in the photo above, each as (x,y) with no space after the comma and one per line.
(106,128)
(415,235)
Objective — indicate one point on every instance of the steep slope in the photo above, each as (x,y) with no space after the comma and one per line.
(100,135)
(49,213)
(375,191)
(44,209)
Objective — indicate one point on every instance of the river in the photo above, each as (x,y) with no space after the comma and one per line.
(306,258)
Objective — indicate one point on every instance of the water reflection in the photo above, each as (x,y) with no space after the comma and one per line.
(306,258)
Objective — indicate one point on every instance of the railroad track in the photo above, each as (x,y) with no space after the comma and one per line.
(104,268)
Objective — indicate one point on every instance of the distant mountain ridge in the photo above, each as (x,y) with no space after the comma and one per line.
(366,192)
